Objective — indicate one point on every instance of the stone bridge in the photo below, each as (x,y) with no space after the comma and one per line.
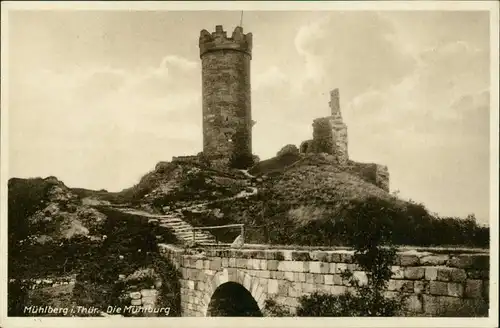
(439,282)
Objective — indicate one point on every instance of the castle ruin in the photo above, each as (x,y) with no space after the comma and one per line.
(227,111)
(330,137)
(226,94)
(329,133)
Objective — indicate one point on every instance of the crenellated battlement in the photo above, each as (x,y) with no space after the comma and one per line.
(219,40)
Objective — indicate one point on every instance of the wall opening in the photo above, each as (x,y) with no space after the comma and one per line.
(303,148)
(233,300)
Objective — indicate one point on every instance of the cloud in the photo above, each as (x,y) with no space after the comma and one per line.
(433,122)
(99,84)
(446,74)
(345,50)
(340,51)
(271,77)
(177,61)
(313,31)
(140,117)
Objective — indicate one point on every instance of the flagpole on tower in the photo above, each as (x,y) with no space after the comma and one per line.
(241,19)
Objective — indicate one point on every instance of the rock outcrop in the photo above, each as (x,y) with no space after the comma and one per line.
(55,212)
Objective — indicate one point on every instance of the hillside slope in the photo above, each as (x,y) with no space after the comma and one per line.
(289,199)
(47,210)
(289,188)
(65,252)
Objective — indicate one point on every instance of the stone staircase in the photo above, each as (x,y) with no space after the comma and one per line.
(181,229)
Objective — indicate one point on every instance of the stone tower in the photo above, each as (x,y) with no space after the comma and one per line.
(227,119)
(330,133)
(339,128)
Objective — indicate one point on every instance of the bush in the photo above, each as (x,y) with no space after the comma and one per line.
(25,197)
(273,309)
(156,269)
(408,225)
(170,290)
(17,297)
(288,149)
(323,305)
(241,161)
(130,244)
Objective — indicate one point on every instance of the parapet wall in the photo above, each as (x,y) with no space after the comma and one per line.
(219,40)
(194,159)
(437,283)
(214,161)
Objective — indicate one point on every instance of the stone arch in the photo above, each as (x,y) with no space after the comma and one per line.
(251,284)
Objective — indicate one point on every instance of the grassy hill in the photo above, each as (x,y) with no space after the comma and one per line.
(300,200)
(274,165)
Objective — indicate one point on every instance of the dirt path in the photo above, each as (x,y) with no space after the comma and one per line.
(242,194)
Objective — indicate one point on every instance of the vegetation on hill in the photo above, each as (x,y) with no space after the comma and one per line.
(274,165)
(313,204)
(375,253)
(301,200)
(111,245)
(370,232)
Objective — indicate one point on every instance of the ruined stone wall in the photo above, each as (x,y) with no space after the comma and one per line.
(330,136)
(323,138)
(374,173)
(306,146)
(329,133)
(227,122)
(437,282)
(186,159)
(142,302)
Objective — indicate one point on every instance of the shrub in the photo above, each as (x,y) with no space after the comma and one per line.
(288,149)
(170,290)
(17,296)
(241,161)
(130,244)
(25,197)
(273,309)
(331,224)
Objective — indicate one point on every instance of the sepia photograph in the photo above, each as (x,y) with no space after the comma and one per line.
(309,163)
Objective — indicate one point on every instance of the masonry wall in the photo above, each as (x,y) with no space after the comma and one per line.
(438,284)
(370,172)
(306,146)
(330,136)
(142,302)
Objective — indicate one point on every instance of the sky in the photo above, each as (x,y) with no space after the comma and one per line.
(97,98)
